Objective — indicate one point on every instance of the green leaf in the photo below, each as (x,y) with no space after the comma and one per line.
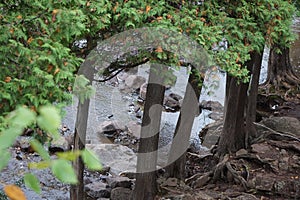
(69,155)
(32,182)
(22,117)
(63,170)
(4,157)
(91,160)
(39,165)
(8,136)
(38,147)
(82,89)
(49,120)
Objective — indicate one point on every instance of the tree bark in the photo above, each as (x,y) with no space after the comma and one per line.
(254,66)
(240,109)
(77,191)
(280,71)
(146,185)
(180,143)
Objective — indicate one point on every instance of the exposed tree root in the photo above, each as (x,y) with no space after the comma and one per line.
(275,135)
(223,171)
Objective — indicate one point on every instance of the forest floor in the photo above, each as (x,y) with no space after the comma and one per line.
(268,169)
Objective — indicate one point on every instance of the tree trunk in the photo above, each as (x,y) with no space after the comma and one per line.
(233,134)
(280,71)
(146,185)
(77,191)
(254,66)
(181,139)
(240,109)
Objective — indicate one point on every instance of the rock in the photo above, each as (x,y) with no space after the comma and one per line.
(135,129)
(134,81)
(59,145)
(120,181)
(120,193)
(143,90)
(176,97)
(201,181)
(179,197)
(170,182)
(23,142)
(241,152)
(260,148)
(171,104)
(210,134)
(97,190)
(110,127)
(245,196)
(118,157)
(215,116)
(283,124)
(264,183)
(214,106)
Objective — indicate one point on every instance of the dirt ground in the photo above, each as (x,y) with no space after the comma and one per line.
(268,169)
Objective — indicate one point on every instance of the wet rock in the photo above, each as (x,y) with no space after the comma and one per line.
(134,81)
(108,128)
(210,134)
(171,104)
(118,181)
(120,193)
(214,106)
(118,157)
(59,145)
(97,190)
(283,124)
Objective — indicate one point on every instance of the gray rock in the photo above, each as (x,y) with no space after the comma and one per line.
(59,145)
(97,190)
(118,157)
(216,116)
(120,193)
(169,102)
(210,134)
(23,142)
(170,182)
(110,127)
(134,81)
(120,182)
(283,124)
(260,148)
(241,152)
(143,90)
(214,106)
(134,128)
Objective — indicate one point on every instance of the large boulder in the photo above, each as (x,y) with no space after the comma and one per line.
(210,134)
(97,190)
(134,81)
(283,124)
(110,127)
(120,193)
(118,157)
